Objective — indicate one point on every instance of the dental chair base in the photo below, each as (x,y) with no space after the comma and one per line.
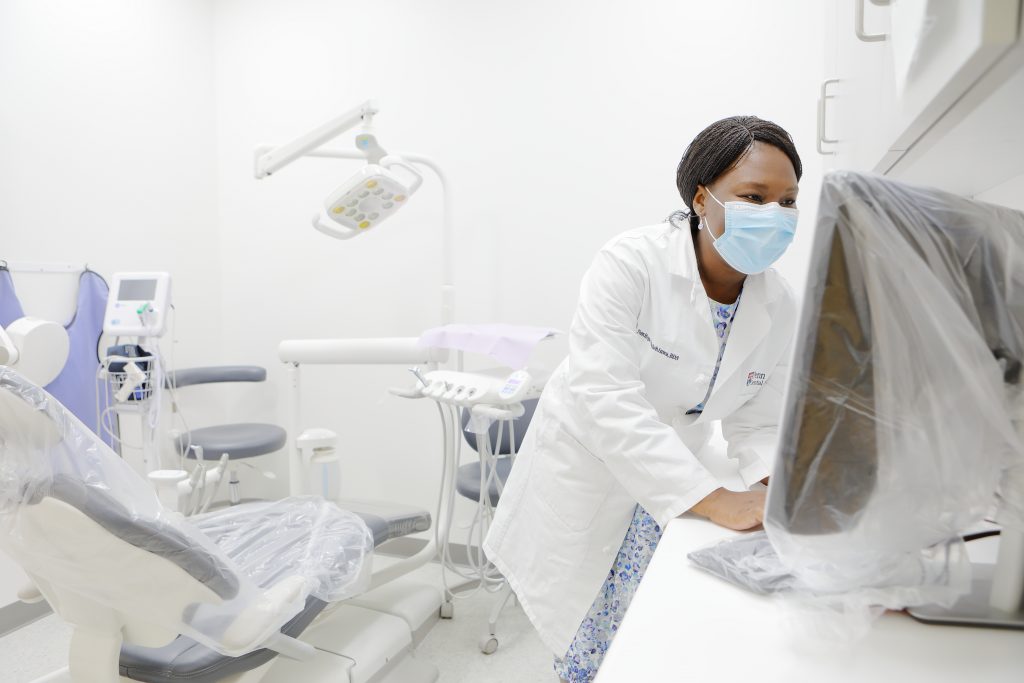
(369,646)
(368,642)
(417,604)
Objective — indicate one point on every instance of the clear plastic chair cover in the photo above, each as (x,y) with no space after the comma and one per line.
(239,575)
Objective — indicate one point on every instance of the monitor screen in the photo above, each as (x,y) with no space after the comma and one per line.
(897,424)
(136,290)
(903,423)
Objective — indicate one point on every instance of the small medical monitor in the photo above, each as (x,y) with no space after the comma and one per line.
(136,290)
(138,304)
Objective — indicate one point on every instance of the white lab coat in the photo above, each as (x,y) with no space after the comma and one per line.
(611,428)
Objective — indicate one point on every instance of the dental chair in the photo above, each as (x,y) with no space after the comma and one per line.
(238,440)
(247,594)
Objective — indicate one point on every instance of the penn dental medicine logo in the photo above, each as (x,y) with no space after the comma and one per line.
(755,379)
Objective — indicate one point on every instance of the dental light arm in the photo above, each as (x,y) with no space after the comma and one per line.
(374,193)
(377,190)
(268,162)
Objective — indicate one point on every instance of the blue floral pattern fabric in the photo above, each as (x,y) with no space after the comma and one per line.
(722,316)
(580,662)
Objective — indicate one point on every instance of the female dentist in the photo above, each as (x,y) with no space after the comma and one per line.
(678,325)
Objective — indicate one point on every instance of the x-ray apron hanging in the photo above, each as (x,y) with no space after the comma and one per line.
(75,386)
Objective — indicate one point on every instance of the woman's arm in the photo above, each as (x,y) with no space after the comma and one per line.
(752,433)
(739,510)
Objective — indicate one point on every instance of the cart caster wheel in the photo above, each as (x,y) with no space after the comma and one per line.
(488,645)
(447,610)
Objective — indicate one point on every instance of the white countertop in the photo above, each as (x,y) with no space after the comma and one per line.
(686,625)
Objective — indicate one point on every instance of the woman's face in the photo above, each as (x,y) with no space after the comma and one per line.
(762,176)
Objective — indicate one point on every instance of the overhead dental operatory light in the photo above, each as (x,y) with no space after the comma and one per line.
(374,193)
(364,200)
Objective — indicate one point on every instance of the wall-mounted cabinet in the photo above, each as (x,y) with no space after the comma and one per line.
(927,90)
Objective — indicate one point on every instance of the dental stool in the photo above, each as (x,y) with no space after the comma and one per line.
(496,459)
(237,441)
(468,481)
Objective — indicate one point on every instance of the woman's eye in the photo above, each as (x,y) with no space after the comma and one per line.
(756,198)
(788,202)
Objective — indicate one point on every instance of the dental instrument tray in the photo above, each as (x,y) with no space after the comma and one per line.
(497,387)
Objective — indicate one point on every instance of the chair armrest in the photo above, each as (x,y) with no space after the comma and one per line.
(188,377)
(250,628)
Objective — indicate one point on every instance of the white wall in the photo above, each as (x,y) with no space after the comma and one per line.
(128,127)
(1009,193)
(560,125)
(107,139)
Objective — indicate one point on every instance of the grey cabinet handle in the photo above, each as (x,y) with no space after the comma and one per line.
(822,98)
(858,22)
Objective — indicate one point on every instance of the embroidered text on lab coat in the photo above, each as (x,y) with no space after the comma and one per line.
(667,354)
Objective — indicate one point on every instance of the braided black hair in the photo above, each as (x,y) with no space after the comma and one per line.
(718,148)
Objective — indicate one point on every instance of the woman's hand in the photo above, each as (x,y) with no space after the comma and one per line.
(739,510)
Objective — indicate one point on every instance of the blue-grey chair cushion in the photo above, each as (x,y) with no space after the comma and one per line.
(243,440)
(186,660)
(384,527)
(521,423)
(380,528)
(467,481)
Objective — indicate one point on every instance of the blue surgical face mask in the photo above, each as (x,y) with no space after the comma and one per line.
(755,235)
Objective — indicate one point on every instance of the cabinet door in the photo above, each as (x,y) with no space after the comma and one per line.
(828,131)
(921,56)
(864,97)
(943,48)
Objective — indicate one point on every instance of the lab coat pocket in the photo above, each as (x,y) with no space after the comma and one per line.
(748,392)
(570,480)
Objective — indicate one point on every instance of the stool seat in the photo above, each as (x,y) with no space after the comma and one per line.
(243,440)
(467,481)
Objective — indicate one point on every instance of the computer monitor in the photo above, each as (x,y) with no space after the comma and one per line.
(898,426)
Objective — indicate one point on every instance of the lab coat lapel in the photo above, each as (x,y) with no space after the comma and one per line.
(687,284)
(749,328)
(683,265)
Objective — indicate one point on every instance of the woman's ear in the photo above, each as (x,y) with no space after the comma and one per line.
(698,201)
